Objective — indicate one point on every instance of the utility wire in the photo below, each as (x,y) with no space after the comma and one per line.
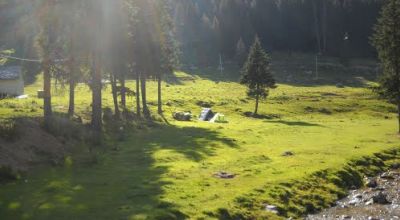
(29,60)
(20,59)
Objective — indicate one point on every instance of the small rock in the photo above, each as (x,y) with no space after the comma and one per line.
(380,198)
(346,217)
(369,202)
(225,175)
(371,183)
(387,176)
(354,201)
(271,208)
(380,188)
(287,154)
(358,196)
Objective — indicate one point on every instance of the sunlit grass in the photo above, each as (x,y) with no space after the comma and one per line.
(166,171)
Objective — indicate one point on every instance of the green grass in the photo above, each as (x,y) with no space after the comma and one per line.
(166,172)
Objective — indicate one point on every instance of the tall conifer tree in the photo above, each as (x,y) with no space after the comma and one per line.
(386,40)
(257,74)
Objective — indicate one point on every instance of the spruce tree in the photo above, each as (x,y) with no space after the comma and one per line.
(169,51)
(386,40)
(46,44)
(257,74)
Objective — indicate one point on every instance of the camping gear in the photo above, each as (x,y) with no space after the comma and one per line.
(219,118)
(182,116)
(206,114)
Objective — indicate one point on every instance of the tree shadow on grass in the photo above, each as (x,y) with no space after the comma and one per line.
(261,116)
(295,123)
(289,74)
(124,183)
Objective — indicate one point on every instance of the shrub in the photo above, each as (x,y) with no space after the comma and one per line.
(63,127)
(8,130)
(7,174)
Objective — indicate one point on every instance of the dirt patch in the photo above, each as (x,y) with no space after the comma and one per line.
(33,146)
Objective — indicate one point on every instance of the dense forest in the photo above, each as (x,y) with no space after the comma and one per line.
(328,27)
(207,28)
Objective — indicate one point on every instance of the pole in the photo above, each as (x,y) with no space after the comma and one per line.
(221,68)
(316,67)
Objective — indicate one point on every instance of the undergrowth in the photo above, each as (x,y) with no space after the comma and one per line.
(8,130)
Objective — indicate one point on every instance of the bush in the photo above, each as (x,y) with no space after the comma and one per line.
(7,174)
(8,130)
(63,127)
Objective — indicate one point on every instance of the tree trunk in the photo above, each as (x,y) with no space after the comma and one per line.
(398,113)
(146,112)
(324,25)
(123,91)
(47,92)
(160,111)
(96,99)
(316,24)
(71,107)
(256,109)
(138,109)
(115,95)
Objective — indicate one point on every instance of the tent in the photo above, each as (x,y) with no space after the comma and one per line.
(219,118)
(206,114)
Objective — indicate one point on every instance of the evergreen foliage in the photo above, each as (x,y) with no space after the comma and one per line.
(386,40)
(257,73)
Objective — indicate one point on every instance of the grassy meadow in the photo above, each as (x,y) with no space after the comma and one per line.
(166,171)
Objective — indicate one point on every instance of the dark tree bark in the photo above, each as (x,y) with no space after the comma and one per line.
(138,109)
(72,85)
(398,113)
(146,112)
(256,109)
(159,79)
(114,92)
(324,25)
(96,99)
(257,101)
(316,24)
(71,106)
(47,92)
(123,91)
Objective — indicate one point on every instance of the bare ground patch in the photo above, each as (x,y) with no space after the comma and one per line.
(30,146)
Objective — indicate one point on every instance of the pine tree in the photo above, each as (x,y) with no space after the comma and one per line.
(46,45)
(257,73)
(95,18)
(386,40)
(169,52)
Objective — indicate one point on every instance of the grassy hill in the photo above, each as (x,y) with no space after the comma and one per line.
(166,171)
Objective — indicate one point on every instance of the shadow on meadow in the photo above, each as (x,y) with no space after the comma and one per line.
(123,183)
(295,123)
(300,71)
